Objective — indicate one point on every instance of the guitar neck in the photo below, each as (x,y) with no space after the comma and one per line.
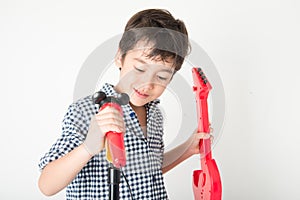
(201,89)
(203,126)
(203,120)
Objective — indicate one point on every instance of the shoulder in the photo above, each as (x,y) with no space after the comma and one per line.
(83,106)
(156,110)
(159,113)
(86,104)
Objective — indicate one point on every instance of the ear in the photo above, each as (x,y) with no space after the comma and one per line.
(118,59)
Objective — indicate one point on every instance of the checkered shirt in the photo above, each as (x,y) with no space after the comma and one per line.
(144,154)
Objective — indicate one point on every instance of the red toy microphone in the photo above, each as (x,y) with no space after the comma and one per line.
(115,148)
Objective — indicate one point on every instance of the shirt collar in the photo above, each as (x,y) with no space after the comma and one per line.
(109,90)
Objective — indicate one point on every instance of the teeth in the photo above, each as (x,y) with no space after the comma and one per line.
(140,93)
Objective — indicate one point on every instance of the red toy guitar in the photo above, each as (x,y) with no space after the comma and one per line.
(206,182)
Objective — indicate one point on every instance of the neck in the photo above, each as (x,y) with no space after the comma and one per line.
(136,108)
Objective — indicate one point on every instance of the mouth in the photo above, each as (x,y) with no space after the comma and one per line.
(140,94)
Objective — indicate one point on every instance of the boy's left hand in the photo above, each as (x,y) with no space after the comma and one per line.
(195,139)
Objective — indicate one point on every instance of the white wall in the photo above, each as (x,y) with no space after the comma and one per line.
(254,45)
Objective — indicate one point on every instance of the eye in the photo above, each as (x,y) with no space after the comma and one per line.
(139,69)
(162,78)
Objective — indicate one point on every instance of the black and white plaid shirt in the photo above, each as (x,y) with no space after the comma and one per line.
(144,155)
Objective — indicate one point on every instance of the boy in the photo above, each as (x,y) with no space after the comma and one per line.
(152,49)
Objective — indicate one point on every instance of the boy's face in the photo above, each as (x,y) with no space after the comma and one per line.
(144,79)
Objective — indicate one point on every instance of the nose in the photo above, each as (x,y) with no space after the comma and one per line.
(148,82)
(148,86)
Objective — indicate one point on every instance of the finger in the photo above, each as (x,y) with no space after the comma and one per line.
(112,127)
(109,109)
(113,118)
(203,135)
(109,116)
(109,112)
(108,120)
(212,138)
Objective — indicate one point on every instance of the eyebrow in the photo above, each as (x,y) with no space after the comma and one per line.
(140,60)
(144,62)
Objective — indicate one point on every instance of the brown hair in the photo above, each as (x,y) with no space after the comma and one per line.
(168,36)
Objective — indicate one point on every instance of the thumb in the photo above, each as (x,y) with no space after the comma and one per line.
(201,135)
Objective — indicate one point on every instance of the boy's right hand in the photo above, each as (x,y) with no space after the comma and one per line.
(108,119)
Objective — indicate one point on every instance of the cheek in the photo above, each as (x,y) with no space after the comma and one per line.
(127,76)
(159,90)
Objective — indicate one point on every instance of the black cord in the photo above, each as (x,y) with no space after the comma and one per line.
(123,174)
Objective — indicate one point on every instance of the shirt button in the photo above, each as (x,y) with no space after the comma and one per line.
(132,115)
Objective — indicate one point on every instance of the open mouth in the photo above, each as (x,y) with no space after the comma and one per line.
(141,95)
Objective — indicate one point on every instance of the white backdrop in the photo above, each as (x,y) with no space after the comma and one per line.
(254,45)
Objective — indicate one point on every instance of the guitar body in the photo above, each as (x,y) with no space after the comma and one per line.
(207,185)
(206,182)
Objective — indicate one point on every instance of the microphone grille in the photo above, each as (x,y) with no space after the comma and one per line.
(123,98)
(98,97)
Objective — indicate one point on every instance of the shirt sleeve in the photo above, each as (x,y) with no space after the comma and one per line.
(74,128)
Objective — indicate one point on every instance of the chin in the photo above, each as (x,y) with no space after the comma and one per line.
(137,103)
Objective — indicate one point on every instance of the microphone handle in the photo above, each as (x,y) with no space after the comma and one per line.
(115,147)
